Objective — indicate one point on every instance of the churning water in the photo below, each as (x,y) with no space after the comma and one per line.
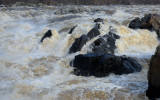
(33,71)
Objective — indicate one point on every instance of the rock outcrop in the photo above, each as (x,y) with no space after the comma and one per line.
(149,21)
(78,44)
(72,29)
(101,65)
(105,44)
(81,41)
(48,34)
(154,76)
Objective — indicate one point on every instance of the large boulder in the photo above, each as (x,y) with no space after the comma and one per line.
(154,76)
(106,43)
(149,21)
(101,65)
(155,22)
(48,34)
(81,41)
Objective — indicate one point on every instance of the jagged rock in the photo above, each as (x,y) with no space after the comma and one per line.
(98,20)
(78,44)
(105,44)
(154,76)
(155,22)
(71,30)
(135,24)
(93,33)
(149,21)
(101,65)
(48,34)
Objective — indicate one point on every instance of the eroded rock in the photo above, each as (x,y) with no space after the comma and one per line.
(105,44)
(154,76)
(149,21)
(48,34)
(101,65)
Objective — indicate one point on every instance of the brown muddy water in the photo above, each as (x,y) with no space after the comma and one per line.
(34,71)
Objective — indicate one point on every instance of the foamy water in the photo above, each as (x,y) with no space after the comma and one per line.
(34,71)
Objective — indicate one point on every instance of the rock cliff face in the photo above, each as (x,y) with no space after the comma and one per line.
(154,76)
(82,2)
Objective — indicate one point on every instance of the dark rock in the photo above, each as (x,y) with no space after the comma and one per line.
(155,22)
(105,44)
(154,76)
(98,20)
(78,44)
(71,30)
(135,24)
(101,65)
(149,21)
(93,33)
(48,34)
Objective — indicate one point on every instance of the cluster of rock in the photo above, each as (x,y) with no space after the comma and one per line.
(149,21)
(74,10)
(152,23)
(102,61)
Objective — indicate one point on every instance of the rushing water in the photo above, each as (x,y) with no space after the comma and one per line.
(33,71)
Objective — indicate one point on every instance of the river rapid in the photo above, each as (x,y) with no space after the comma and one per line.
(30,70)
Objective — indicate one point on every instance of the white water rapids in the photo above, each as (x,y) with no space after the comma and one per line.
(33,71)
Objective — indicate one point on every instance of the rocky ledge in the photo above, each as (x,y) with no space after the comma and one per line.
(101,65)
(149,21)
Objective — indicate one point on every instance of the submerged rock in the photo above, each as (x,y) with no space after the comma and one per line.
(105,44)
(101,65)
(72,29)
(98,20)
(48,34)
(81,41)
(149,21)
(154,76)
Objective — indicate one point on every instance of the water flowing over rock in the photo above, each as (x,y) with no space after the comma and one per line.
(81,41)
(78,44)
(105,44)
(101,65)
(149,21)
(154,76)
(98,20)
(48,34)
(72,29)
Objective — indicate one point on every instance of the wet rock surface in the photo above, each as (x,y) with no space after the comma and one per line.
(101,65)
(72,29)
(48,34)
(78,44)
(81,41)
(149,21)
(154,76)
(105,44)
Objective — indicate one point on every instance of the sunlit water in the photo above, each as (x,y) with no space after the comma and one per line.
(33,71)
